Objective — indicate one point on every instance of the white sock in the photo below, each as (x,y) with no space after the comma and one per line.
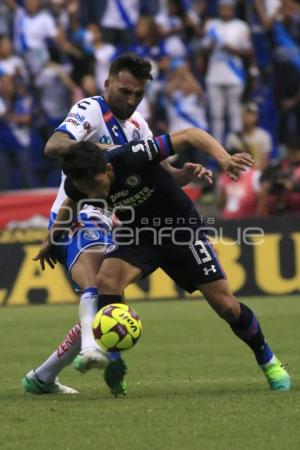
(87,311)
(61,357)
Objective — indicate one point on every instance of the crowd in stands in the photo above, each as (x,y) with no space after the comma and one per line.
(230,67)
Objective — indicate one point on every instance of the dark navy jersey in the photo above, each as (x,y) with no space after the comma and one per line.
(142,184)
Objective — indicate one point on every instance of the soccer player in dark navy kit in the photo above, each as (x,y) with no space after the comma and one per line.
(129,176)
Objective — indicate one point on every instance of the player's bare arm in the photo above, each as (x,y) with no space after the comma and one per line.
(204,142)
(59,144)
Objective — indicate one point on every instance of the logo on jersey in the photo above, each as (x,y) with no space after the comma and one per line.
(107,116)
(136,135)
(115,130)
(91,235)
(135,123)
(133,181)
(105,139)
(76,116)
(87,127)
(73,121)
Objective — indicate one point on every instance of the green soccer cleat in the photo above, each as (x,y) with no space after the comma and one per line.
(277,376)
(33,385)
(91,358)
(114,376)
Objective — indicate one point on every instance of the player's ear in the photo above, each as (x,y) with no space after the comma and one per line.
(109,168)
(106,84)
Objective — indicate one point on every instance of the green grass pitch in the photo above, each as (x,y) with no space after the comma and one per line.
(192,384)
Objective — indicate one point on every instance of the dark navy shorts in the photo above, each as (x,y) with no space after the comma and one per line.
(188,265)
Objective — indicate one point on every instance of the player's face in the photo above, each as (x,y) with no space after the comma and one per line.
(123,93)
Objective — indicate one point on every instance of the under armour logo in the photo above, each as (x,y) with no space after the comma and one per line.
(212,269)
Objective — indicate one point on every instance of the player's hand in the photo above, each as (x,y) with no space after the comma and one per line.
(195,171)
(236,164)
(43,256)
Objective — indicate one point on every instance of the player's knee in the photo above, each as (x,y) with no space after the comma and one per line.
(106,282)
(229,309)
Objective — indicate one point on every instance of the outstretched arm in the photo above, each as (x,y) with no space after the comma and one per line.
(204,142)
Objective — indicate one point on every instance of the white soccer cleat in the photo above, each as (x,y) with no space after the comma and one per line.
(33,385)
(91,358)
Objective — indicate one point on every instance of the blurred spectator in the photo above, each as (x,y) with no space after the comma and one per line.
(89,86)
(55,89)
(173,21)
(239,199)
(227,41)
(6,16)
(34,31)
(251,138)
(15,118)
(280,184)
(103,53)
(286,38)
(11,64)
(186,103)
(119,20)
(91,11)
(268,11)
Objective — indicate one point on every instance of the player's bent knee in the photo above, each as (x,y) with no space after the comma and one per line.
(229,310)
(106,282)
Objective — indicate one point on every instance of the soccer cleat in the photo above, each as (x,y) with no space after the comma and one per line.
(91,358)
(277,376)
(33,385)
(114,376)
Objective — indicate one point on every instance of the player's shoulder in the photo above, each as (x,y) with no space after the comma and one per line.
(88,106)
(139,122)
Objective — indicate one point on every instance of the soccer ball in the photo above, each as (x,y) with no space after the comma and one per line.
(117,327)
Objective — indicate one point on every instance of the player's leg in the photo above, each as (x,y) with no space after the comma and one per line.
(83,273)
(43,379)
(114,276)
(246,326)
(202,270)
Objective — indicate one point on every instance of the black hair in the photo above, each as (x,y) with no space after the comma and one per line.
(83,161)
(138,67)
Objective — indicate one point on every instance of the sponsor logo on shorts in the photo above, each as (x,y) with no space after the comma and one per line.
(207,270)
(133,181)
(91,235)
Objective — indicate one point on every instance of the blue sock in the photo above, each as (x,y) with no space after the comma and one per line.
(247,328)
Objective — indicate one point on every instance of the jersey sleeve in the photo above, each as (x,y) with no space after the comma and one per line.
(82,121)
(138,155)
(146,133)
